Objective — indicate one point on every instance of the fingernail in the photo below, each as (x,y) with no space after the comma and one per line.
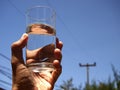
(57,50)
(24,36)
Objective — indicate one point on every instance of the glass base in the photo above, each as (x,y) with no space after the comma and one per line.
(41,67)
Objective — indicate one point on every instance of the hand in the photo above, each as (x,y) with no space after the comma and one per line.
(23,79)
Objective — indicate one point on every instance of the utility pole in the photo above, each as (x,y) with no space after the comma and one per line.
(87,69)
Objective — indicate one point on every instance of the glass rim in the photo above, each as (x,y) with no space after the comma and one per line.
(50,8)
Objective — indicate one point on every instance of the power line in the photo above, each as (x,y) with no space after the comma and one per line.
(12,4)
(7,74)
(66,27)
(5,82)
(59,17)
(7,58)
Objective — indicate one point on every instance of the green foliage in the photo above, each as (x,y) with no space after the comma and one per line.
(116,77)
(102,86)
(68,85)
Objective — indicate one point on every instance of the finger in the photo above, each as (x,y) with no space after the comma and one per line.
(57,71)
(16,49)
(59,44)
(58,54)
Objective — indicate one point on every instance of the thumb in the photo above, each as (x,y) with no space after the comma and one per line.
(16,49)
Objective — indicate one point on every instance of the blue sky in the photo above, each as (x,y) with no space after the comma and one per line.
(89,29)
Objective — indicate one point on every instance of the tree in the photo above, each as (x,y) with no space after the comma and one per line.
(116,77)
(68,85)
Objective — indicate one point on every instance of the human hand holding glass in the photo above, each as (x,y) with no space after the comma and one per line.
(23,78)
